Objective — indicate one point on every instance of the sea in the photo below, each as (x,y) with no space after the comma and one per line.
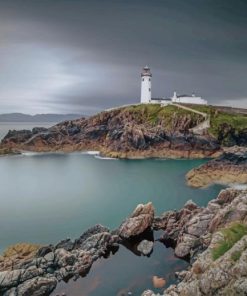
(47,197)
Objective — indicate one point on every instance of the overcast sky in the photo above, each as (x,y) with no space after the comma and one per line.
(81,56)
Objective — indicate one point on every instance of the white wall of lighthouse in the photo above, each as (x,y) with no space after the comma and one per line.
(146,85)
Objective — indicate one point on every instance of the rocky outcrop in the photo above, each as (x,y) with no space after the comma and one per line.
(140,220)
(27,269)
(189,230)
(214,238)
(230,136)
(229,168)
(38,272)
(130,132)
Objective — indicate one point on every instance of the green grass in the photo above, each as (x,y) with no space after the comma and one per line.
(231,235)
(155,114)
(219,118)
(166,116)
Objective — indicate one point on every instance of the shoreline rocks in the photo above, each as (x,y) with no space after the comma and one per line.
(27,269)
(229,168)
(122,133)
(193,232)
(196,233)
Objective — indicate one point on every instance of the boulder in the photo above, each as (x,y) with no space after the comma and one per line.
(145,247)
(140,220)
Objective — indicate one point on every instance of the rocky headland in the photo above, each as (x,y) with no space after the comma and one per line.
(213,239)
(139,131)
(148,131)
(127,132)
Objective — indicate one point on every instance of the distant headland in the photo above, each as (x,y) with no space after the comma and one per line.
(21,117)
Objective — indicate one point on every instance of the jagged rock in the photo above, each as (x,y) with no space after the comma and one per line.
(44,250)
(37,274)
(38,286)
(10,278)
(140,220)
(64,258)
(37,130)
(190,205)
(66,244)
(188,230)
(194,232)
(145,247)
(229,168)
(97,229)
(199,235)
(122,132)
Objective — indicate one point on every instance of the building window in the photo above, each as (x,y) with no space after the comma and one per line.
(149,89)
(142,79)
(149,79)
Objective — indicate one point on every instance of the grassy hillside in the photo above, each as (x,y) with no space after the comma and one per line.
(166,116)
(225,126)
(229,128)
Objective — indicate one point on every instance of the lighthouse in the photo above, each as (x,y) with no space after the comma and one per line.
(146,85)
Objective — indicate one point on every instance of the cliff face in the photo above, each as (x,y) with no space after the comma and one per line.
(227,125)
(135,131)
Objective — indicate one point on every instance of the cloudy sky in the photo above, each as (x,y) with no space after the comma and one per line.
(81,56)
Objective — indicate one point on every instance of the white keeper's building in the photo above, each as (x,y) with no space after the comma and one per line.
(146,94)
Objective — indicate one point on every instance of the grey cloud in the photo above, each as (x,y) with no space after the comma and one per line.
(89,53)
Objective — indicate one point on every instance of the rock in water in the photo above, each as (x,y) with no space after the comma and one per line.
(158,282)
(145,247)
(140,220)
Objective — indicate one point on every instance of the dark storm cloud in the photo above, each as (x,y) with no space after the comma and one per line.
(83,56)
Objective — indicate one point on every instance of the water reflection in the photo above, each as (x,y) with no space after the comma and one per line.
(125,271)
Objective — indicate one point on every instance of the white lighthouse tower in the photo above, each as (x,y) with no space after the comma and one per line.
(146,85)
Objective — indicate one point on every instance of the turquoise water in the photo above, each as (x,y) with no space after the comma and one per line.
(48,197)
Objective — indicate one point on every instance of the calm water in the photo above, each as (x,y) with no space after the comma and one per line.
(47,197)
(125,272)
